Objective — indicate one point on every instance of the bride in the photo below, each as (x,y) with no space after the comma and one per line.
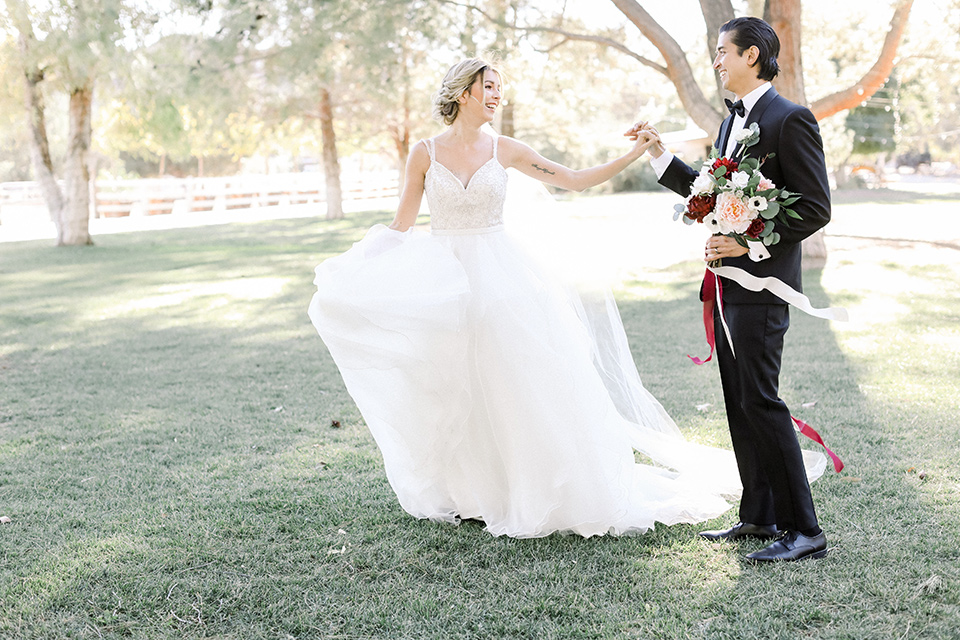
(494,391)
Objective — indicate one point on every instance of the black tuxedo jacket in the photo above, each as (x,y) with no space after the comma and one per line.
(789,131)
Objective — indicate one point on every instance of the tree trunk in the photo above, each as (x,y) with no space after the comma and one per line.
(401,133)
(508,126)
(715,14)
(506,40)
(93,168)
(876,77)
(331,162)
(401,139)
(784,17)
(701,110)
(40,147)
(74,225)
(778,11)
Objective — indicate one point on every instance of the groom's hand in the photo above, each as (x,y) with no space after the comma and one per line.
(722,247)
(633,131)
(646,130)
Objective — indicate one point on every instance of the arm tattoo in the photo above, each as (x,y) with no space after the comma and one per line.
(539,168)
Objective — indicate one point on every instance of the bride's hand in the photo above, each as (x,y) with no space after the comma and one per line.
(648,131)
(643,141)
(634,132)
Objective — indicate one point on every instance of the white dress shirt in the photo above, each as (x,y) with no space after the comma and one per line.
(757,251)
(749,102)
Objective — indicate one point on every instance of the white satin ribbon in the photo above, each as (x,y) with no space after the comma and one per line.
(723,321)
(780,289)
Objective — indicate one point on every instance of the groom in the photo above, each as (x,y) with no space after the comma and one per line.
(776,502)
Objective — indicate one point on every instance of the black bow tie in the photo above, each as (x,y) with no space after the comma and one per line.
(736,107)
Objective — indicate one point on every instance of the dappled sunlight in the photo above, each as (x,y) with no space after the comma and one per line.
(879,281)
(175,387)
(938,340)
(217,294)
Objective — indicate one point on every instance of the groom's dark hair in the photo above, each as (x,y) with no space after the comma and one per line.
(754,32)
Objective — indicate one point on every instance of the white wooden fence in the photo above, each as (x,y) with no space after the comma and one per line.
(117,198)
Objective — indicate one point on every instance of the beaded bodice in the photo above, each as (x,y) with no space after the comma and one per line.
(478,205)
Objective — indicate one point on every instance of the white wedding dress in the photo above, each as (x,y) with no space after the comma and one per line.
(494,392)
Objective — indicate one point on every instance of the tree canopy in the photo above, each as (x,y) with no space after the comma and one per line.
(312,81)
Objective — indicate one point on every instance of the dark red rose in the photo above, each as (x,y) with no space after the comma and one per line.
(731,165)
(756,228)
(699,206)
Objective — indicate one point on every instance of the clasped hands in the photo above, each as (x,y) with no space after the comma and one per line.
(649,134)
(717,246)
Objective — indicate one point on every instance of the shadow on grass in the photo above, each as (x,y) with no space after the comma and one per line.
(875,514)
(173,471)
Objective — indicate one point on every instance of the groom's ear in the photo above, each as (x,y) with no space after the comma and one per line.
(753,55)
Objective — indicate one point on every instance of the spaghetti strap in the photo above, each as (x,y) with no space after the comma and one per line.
(430,151)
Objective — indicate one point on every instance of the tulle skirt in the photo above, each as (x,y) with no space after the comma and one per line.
(498,393)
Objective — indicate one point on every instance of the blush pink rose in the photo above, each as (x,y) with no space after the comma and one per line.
(733,214)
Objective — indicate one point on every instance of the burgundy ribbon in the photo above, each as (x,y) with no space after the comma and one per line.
(811,433)
(710,287)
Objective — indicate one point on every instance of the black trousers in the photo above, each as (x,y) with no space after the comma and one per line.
(775,487)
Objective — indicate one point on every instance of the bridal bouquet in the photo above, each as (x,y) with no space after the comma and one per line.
(733,198)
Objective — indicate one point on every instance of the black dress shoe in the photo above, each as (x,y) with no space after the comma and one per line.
(792,546)
(742,530)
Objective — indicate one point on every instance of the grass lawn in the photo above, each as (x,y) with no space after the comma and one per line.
(179,458)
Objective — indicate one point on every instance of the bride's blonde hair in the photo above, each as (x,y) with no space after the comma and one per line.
(459,78)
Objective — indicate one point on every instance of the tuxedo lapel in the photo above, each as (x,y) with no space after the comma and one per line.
(725,134)
(757,111)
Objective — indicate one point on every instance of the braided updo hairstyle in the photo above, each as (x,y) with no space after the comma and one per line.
(459,78)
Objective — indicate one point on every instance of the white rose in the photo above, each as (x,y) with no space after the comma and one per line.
(740,179)
(703,184)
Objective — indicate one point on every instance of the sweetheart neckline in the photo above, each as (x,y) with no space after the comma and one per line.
(465,187)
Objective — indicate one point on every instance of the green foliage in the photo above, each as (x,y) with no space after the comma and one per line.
(639,176)
(874,124)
